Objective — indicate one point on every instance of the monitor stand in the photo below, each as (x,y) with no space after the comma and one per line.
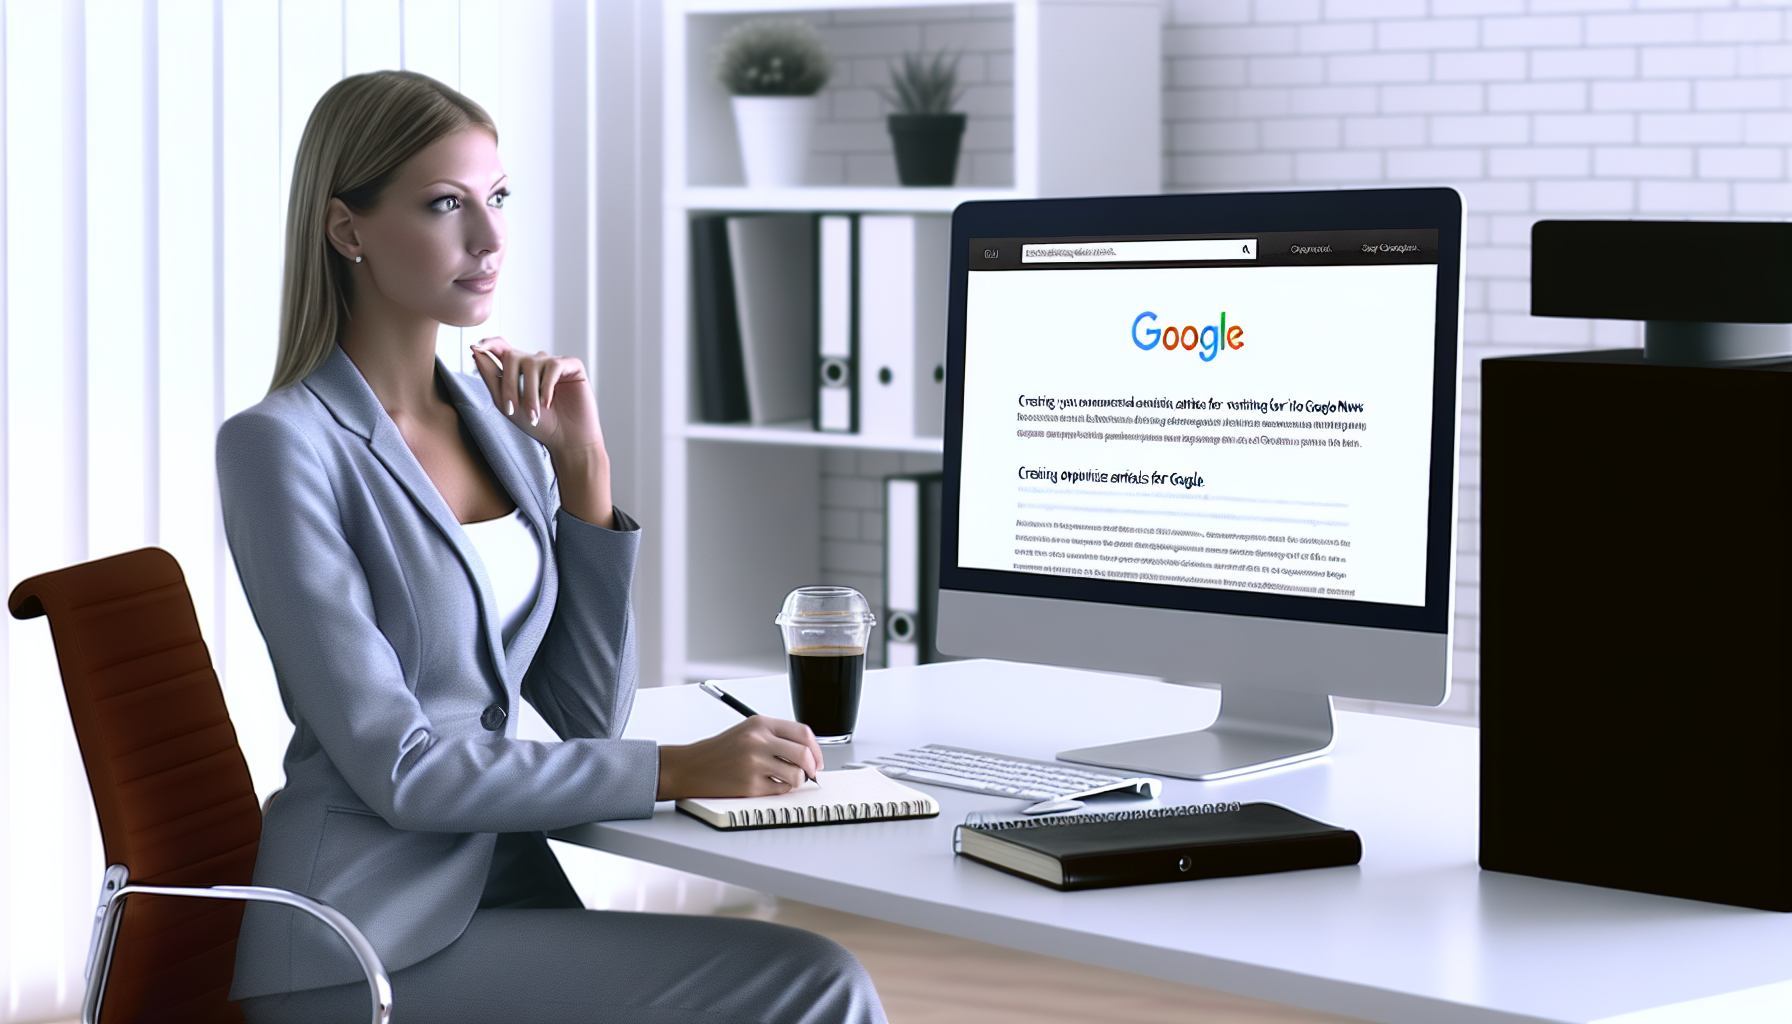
(1256,729)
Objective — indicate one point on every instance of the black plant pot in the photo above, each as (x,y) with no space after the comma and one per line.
(926,147)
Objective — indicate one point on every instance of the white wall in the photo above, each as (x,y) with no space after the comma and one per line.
(1532,108)
(146,151)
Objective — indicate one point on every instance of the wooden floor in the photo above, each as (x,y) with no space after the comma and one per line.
(928,978)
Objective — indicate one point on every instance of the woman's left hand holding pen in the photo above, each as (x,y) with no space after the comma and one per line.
(550,398)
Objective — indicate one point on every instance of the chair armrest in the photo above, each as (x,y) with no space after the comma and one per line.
(111,910)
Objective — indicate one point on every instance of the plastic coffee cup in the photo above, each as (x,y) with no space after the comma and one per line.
(825,630)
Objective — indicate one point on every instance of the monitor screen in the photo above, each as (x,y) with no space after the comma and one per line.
(1258,420)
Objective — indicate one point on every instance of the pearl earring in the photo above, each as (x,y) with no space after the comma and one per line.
(357,259)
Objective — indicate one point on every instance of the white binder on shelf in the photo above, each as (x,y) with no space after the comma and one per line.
(902,325)
(836,324)
(911,569)
(773,257)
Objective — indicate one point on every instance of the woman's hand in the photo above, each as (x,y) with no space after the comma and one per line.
(759,757)
(550,398)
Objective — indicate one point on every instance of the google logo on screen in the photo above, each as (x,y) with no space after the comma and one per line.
(1206,342)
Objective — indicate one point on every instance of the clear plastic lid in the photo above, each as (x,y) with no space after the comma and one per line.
(825,606)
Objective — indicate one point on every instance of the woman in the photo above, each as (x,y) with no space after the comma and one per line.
(420,551)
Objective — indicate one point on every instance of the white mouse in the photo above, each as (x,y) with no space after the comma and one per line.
(1054,807)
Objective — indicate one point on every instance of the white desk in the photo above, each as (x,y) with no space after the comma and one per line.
(1416,933)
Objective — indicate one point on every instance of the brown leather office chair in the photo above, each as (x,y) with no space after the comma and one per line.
(177,810)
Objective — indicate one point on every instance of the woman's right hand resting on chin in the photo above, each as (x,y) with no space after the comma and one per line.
(759,757)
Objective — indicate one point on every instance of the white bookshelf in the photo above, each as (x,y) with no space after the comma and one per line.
(1073,90)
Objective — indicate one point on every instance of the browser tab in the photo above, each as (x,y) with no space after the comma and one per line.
(997,254)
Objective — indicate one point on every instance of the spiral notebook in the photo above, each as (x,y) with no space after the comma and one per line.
(844,797)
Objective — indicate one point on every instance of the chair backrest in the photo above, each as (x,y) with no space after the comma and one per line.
(173,793)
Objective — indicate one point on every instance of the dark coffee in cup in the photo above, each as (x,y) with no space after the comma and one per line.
(825,630)
(825,683)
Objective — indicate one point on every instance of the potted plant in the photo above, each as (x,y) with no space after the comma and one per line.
(773,67)
(924,130)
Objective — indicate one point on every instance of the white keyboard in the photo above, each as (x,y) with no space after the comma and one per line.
(1056,785)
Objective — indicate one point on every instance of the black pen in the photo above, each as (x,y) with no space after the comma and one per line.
(746,712)
(722,695)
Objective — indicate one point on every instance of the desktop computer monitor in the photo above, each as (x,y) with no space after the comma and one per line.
(1211,439)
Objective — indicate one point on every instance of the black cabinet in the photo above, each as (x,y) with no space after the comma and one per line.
(1636,632)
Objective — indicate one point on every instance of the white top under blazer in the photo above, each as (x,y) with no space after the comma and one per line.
(512,556)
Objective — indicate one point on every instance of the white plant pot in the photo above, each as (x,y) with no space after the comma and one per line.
(774,138)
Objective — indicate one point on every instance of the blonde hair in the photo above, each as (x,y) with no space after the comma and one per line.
(358,135)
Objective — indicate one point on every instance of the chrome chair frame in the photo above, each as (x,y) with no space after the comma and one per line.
(116,888)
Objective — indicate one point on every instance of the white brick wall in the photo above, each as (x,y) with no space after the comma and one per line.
(1531,108)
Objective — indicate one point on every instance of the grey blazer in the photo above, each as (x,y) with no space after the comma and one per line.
(385,641)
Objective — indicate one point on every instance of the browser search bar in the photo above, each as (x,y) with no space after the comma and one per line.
(1141,252)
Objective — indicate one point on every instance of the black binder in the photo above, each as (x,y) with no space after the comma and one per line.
(721,375)
(1162,844)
